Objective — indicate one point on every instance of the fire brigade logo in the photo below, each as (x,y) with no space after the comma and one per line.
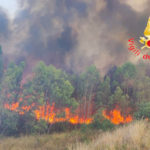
(146,40)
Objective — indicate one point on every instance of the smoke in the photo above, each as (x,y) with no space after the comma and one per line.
(104,32)
(4,26)
(75,34)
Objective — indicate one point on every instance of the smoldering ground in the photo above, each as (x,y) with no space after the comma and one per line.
(74,34)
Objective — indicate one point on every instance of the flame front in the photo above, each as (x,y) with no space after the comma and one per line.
(16,108)
(115,116)
(12,107)
(50,114)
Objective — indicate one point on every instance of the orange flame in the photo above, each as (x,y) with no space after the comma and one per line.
(12,107)
(49,114)
(115,116)
(52,115)
(15,107)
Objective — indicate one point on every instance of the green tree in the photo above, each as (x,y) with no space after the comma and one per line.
(52,85)
(142,89)
(124,77)
(8,122)
(91,80)
(9,94)
(86,86)
(12,82)
(119,99)
(143,110)
(104,92)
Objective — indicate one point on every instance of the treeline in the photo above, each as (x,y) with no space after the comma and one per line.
(85,94)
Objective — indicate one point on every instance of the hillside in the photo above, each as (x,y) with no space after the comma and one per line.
(55,141)
(135,136)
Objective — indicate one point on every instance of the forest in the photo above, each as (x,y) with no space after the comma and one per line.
(51,99)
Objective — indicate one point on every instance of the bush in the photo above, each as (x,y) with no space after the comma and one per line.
(143,111)
(104,125)
(8,123)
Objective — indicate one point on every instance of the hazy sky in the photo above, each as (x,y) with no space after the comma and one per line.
(10,6)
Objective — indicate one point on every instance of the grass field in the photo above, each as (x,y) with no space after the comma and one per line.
(135,136)
(55,141)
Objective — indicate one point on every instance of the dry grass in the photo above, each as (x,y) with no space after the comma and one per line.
(56,141)
(135,136)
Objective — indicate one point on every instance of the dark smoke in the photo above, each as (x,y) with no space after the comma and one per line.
(4,25)
(74,34)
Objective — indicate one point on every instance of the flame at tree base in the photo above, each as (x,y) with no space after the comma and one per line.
(50,114)
(115,117)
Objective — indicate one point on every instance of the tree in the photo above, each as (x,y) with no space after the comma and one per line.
(143,110)
(8,122)
(142,89)
(104,92)
(119,99)
(52,85)
(11,82)
(91,80)
(9,94)
(86,85)
(125,78)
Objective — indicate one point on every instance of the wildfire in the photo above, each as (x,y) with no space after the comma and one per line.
(115,116)
(12,107)
(15,107)
(49,114)
(52,115)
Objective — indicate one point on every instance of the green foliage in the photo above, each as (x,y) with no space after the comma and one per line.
(12,81)
(60,127)
(123,76)
(143,110)
(52,85)
(128,70)
(39,127)
(104,125)
(124,87)
(90,79)
(100,122)
(8,122)
(10,85)
(104,92)
(118,97)
(142,89)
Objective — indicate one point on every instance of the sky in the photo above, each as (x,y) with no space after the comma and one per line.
(10,6)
